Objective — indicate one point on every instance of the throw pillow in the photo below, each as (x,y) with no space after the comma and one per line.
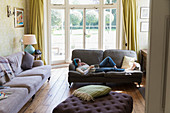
(128,62)
(27,61)
(6,72)
(89,92)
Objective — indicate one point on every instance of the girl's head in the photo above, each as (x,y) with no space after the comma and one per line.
(76,61)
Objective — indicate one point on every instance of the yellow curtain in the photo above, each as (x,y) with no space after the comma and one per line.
(37,24)
(130,24)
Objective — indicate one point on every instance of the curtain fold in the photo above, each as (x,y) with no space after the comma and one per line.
(36,24)
(130,24)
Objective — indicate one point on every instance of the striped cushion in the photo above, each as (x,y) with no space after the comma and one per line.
(89,92)
(6,72)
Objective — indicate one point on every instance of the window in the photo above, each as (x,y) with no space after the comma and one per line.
(82,24)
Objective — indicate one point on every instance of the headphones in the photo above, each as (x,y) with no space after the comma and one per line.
(75,62)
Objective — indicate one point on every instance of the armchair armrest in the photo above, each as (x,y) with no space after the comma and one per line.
(38,63)
(72,67)
(138,67)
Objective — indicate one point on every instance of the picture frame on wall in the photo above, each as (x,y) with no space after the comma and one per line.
(19,17)
(144,26)
(144,12)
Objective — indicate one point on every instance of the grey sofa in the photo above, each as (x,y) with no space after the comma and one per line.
(25,83)
(94,57)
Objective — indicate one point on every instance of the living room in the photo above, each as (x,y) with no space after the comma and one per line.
(59,27)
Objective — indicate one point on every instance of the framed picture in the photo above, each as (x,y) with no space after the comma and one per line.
(144,12)
(19,17)
(144,26)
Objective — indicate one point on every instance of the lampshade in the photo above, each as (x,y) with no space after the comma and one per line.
(29,39)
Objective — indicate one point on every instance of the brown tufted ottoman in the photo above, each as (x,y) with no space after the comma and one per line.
(112,103)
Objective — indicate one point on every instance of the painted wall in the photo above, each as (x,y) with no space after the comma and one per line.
(143,36)
(9,35)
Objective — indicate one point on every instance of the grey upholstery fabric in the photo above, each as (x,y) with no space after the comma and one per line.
(88,56)
(15,61)
(26,82)
(115,77)
(36,71)
(27,61)
(38,63)
(72,67)
(77,74)
(117,55)
(10,104)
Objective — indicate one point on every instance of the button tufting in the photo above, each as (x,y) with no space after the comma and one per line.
(117,107)
(104,104)
(113,102)
(120,101)
(117,97)
(98,110)
(107,108)
(74,104)
(95,105)
(65,106)
(77,109)
(124,96)
(86,107)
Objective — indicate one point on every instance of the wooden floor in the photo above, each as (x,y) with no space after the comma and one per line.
(54,92)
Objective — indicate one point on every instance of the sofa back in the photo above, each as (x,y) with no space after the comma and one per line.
(118,55)
(88,56)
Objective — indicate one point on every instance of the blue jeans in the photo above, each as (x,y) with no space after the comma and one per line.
(107,62)
(108,65)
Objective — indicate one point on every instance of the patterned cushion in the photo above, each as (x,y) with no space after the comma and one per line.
(6,72)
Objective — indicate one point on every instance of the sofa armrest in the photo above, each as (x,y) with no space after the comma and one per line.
(72,67)
(138,67)
(38,63)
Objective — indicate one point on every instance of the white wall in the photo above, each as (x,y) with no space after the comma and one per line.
(159,10)
(142,36)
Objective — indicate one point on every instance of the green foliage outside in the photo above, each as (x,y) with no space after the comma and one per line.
(56,18)
(75,17)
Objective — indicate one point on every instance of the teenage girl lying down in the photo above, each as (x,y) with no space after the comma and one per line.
(84,68)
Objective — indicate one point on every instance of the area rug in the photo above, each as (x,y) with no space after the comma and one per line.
(142,91)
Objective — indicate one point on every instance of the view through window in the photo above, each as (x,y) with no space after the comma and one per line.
(82,24)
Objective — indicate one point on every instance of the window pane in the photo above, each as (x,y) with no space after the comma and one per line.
(57,1)
(76,29)
(109,29)
(92,20)
(109,1)
(83,2)
(58,34)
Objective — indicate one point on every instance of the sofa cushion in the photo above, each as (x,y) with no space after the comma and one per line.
(118,55)
(77,74)
(36,71)
(25,82)
(125,74)
(15,61)
(88,56)
(10,104)
(27,61)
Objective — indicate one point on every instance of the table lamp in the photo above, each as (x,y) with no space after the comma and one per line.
(29,40)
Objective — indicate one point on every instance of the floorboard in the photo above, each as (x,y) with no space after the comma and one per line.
(56,90)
